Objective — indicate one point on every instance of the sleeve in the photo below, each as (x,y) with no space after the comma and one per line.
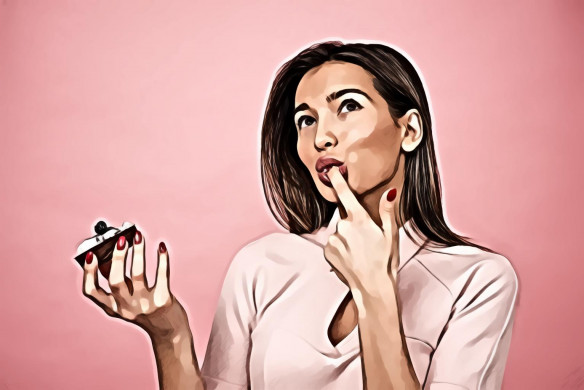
(472,351)
(226,361)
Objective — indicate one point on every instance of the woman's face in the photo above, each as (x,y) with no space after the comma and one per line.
(339,114)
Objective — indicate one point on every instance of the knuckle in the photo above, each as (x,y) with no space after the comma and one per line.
(115,280)
(138,277)
(119,255)
(330,242)
(336,240)
(114,306)
(330,250)
(88,291)
(167,303)
(88,288)
(116,287)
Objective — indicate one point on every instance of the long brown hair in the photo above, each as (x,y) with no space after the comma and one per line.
(290,191)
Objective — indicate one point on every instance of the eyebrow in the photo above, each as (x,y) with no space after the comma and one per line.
(338,94)
(334,96)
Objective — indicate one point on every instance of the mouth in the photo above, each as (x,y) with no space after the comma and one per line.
(324,165)
(323,175)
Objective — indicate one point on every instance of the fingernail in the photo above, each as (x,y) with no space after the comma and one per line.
(162,247)
(89,257)
(137,237)
(391,194)
(121,242)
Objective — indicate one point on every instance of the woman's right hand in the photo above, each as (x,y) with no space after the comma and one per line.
(154,309)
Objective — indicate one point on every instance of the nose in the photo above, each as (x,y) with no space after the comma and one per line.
(324,137)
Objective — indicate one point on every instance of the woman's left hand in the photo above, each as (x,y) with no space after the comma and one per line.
(362,253)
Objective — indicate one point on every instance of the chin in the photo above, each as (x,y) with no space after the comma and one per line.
(330,194)
(326,192)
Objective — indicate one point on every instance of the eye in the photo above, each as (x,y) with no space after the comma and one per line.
(350,105)
(306,120)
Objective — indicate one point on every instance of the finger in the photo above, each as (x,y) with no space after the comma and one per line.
(161,287)
(118,269)
(388,214)
(333,254)
(346,196)
(91,288)
(343,229)
(387,211)
(137,273)
(105,269)
(339,245)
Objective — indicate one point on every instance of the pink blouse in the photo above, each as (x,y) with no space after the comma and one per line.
(279,298)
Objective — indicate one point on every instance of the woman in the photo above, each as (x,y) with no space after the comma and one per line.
(349,168)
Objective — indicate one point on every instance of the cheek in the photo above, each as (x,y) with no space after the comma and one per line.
(372,157)
(303,151)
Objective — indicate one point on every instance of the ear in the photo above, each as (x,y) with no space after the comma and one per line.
(413,127)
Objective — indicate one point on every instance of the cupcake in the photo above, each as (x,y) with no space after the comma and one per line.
(103,243)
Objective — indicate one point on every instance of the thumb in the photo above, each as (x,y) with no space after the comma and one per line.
(387,210)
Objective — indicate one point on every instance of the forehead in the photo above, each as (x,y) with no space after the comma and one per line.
(333,76)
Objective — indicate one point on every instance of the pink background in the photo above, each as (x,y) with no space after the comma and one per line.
(149,112)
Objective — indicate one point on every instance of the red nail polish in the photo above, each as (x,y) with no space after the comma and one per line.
(89,257)
(138,237)
(162,247)
(391,194)
(121,242)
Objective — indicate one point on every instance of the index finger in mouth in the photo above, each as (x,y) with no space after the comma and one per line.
(345,194)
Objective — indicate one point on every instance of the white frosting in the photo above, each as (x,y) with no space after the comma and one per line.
(93,241)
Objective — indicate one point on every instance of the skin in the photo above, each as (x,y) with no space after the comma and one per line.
(365,139)
(365,243)
(154,309)
(364,250)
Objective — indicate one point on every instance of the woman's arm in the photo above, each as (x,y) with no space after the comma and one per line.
(226,365)
(367,256)
(472,351)
(176,361)
(153,309)
(177,364)
(385,359)
(226,361)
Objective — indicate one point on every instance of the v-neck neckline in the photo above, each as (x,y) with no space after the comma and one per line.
(408,249)
(340,293)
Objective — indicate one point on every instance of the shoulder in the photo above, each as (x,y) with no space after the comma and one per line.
(266,265)
(270,252)
(272,246)
(462,268)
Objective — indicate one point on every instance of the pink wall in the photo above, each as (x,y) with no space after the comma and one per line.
(149,112)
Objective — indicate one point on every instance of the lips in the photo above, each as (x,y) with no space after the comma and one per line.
(325,163)
(323,166)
